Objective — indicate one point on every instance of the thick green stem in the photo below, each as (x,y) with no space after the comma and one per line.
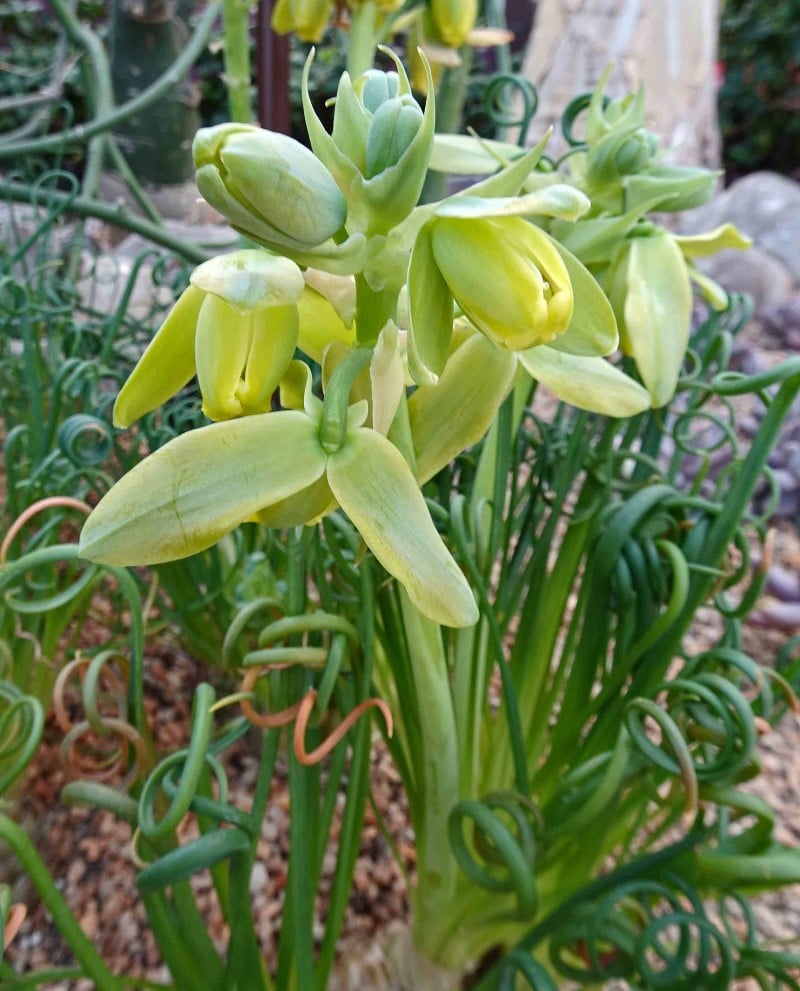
(236,21)
(450,98)
(437,757)
(362,38)
(112,213)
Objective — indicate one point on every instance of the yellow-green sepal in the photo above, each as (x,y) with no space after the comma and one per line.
(657,312)
(593,327)
(320,325)
(556,200)
(590,383)
(430,306)
(710,242)
(373,484)
(167,364)
(188,494)
(454,414)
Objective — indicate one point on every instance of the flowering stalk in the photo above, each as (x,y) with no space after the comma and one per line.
(236,35)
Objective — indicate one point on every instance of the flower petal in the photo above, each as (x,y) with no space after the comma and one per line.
(586,382)
(166,365)
(593,327)
(222,343)
(374,485)
(272,345)
(198,487)
(306,506)
(658,312)
(250,279)
(556,200)
(709,243)
(454,414)
(430,305)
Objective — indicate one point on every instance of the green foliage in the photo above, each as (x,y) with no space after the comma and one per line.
(759,100)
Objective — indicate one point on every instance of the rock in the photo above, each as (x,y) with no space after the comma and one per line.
(755,272)
(766,207)
(105,277)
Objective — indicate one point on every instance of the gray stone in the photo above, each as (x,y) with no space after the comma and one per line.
(106,274)
(763,205)
(766,207)
(179,201)
(755,272)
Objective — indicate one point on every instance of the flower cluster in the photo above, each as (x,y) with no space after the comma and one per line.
(422,319)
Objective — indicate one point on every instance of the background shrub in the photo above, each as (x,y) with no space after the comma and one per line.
(759,100)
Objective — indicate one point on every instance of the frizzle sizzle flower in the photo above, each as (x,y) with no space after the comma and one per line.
(235,327)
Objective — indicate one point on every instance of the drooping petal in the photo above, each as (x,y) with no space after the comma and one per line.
(593,327)
(709,243)
(306,506)
(166,365)
(375,487)
(454,414)
(658,311)
(430,306)
(272,344)
(188,494)
(586,382)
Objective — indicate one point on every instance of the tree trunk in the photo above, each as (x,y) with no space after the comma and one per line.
(669,45)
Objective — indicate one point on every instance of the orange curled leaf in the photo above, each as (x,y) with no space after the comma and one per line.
(264,720)
(16,917)
(114,688)
(306,707)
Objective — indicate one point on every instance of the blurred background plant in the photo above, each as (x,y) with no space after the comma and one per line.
(759,96)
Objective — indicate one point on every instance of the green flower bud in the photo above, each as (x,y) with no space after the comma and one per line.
(375,87)
(379,147)
(506,277)
(269,186)
(670,188)
(620,153)
(605,115)
(454,19)
(391,131)
(305,18)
